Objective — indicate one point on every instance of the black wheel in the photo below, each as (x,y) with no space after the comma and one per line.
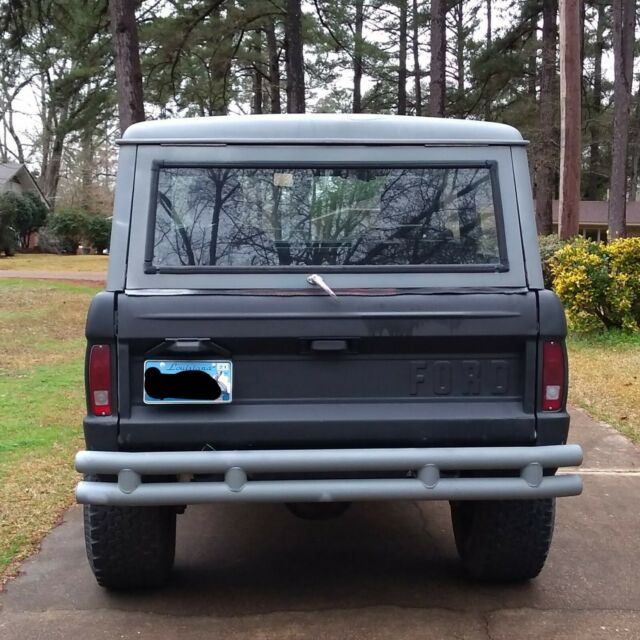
(318,510)
(503,540)
(130,547)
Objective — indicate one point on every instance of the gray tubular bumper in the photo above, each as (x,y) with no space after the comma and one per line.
(432,474)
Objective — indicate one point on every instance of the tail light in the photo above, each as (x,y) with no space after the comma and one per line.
(100,380)
(553,377)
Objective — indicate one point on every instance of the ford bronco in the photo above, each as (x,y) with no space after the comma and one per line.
(321,309)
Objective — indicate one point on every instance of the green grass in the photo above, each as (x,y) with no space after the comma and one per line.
(24,284)
(52,262)
(604,378)
(10,549)
(613,338)
(41,408)
(35,406)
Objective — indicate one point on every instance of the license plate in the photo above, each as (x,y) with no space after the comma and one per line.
(187,381)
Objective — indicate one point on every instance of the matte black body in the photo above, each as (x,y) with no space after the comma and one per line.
(420,369)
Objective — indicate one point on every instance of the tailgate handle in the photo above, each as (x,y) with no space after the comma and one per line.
(329,345)
(189,346)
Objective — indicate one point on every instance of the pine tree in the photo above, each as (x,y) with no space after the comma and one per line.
(126,53)
(624,15)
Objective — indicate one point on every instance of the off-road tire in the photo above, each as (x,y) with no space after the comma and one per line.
(503,540)
(130,547)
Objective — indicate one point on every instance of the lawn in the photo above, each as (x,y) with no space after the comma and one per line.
(41,408)
(52,262)
(604,379)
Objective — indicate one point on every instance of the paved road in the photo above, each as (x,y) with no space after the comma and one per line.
(381,571)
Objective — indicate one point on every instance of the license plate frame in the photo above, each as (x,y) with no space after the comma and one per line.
(220,370)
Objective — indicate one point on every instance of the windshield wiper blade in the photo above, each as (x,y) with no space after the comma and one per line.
(318,281)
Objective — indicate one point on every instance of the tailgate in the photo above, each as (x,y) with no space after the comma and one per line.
(365,370)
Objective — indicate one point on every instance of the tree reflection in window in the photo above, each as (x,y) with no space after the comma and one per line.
(331,216)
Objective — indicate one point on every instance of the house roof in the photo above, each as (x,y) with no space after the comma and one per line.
(321,129)
(8,170)
(11,170)
(596,213)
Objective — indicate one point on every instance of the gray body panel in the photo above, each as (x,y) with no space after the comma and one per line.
(321,129)
(149,158)
(179,494)
(422,470)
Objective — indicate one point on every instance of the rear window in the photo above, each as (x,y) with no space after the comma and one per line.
(240,217)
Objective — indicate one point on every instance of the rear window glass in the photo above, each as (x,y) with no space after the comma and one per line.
(280,217)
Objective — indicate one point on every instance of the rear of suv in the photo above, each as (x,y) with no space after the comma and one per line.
(322,309)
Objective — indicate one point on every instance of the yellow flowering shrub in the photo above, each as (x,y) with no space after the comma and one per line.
(624,267)
(599,284)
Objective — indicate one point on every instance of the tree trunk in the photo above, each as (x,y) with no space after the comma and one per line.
(487,106)
(357,58)
(127,62)
(87,168)
(47,126)
(51,178)
(438,58)
(274,69)
(402,62)
(546,165)
(257,92)
(533,66)
(570,118)
(220,65)
(623,36)
(9,128)
(459,22)
(295,60)
(415,20)
(218,99)
(595,169)
(635,151)
(256,102)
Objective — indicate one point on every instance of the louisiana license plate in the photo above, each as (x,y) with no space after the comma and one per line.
(187,381)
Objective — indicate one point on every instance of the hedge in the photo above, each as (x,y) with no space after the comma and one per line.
(599,284)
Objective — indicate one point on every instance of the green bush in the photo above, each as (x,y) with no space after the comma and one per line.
(30,217)
(10,204)
(48,241)
(98,232)
(70,227)
(599,284)
(549,246)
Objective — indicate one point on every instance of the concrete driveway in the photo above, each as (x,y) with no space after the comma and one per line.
(386,570)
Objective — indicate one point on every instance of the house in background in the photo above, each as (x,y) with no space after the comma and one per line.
(593,219)
(18,179)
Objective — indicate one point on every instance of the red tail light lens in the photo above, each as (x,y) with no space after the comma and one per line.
(100,379)
(553,381)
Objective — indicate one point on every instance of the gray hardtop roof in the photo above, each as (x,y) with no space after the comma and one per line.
(321,129)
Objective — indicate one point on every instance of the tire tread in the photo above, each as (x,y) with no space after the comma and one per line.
(504,541)
(130,547)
